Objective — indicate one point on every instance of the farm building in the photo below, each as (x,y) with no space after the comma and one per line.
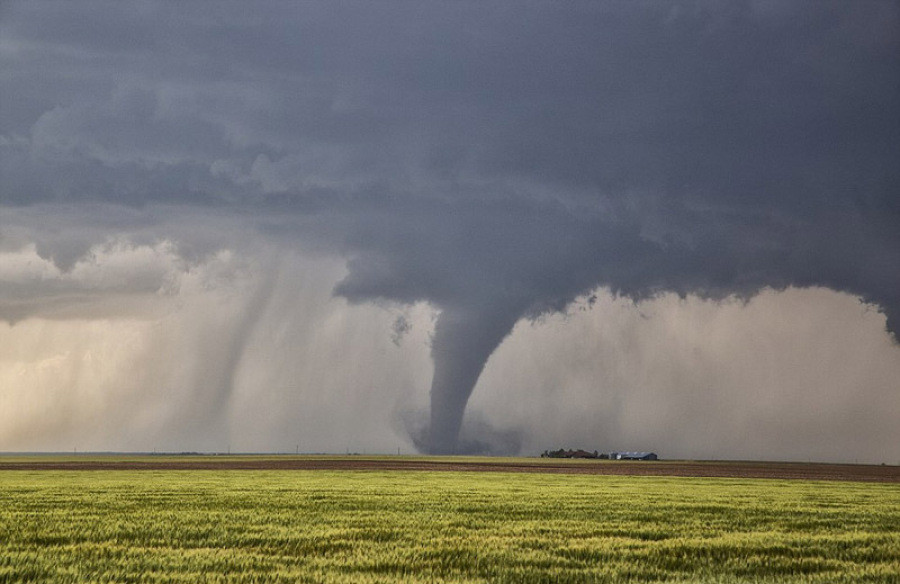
(633,456)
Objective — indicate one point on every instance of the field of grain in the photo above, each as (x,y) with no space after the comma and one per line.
(424,526)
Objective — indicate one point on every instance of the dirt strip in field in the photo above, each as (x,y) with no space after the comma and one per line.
(725,469)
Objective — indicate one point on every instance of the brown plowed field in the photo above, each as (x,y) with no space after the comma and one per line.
(726,469)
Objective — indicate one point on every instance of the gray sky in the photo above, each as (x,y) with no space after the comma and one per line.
(643,225)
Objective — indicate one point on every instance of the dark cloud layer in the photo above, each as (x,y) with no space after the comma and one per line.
(496,161)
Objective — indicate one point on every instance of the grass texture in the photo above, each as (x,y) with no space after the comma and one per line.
(353,526)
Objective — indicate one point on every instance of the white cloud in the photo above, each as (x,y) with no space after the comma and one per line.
(798,374)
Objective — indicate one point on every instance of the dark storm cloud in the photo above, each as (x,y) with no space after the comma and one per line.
(495,160)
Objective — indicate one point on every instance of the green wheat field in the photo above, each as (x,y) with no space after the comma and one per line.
(357,526)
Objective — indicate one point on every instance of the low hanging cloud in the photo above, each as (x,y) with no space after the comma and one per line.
(497,164)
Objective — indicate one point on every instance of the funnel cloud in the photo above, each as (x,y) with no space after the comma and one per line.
(330,226)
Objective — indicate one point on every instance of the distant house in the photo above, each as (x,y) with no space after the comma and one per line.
(633,456)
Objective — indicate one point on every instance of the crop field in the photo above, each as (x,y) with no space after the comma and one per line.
(161,525)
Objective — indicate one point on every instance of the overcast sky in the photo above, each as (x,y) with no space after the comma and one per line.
(452,227)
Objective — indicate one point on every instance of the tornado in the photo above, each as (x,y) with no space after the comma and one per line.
(464,339)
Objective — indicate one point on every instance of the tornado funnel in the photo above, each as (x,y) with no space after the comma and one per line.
(464,339)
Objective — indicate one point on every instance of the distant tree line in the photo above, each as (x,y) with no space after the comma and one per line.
(563,453)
